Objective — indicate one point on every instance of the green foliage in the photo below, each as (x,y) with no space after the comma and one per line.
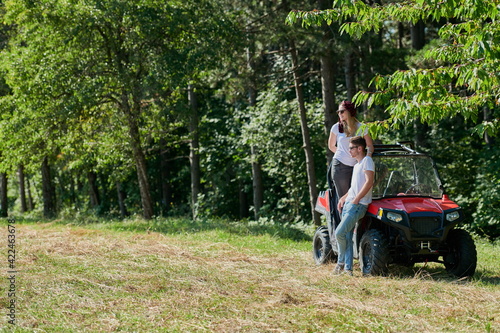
(464,77)
(457,164)
(96,82)
(486,194)
(273,127)
(224,174)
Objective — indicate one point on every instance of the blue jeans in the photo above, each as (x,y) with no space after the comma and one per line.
(350,215)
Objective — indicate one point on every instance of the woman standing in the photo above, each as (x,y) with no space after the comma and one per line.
(338,142)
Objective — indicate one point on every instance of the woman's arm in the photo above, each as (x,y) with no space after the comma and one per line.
(332,142)
(369,145)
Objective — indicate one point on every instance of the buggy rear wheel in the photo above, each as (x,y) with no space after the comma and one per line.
(374,253)
(461,260)
(322,249)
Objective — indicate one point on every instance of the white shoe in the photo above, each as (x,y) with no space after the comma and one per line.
(338,269)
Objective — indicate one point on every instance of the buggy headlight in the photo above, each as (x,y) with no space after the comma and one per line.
(394,217)
(452,216)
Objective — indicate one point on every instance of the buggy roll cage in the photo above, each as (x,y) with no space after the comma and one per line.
(403,148)
(400,148)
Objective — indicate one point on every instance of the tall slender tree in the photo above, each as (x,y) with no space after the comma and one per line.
(328,77)
(4,200)
(311,173)
(22,188)
(194,147)
(257,184)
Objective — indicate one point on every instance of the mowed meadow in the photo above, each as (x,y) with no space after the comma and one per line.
(174,275)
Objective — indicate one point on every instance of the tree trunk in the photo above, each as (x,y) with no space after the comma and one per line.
(4,202)
(490,141)
(93,190)
(418,42)
(31,203)
(132,115)
(417,32)
(311,174)
(401,35)
(22,188)
(166,190)
(421,133)
(257,185)
(194,146)
(327,63)
(73,197)
(243,198)
(48,190)
(328,91)
(350,75)
(121,200)
(142,174)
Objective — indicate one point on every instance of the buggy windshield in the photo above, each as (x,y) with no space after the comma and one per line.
(397,175)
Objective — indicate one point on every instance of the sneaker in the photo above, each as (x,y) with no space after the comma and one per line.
(348,272)
(338,269)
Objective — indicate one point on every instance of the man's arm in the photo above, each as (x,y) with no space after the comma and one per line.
(369,175)
(341,202)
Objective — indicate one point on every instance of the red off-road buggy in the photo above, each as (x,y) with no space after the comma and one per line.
(410,220)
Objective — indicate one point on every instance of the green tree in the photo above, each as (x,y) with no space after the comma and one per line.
(464,74)
(272,126)
(68,61)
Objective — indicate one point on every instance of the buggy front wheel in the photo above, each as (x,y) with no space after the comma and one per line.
(322,248)
(374,253)
(461,260)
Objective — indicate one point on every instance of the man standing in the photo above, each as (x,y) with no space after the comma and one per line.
(354,203)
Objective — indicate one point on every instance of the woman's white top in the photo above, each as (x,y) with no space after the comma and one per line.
(342,154)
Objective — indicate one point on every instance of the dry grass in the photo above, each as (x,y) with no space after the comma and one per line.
(79,279)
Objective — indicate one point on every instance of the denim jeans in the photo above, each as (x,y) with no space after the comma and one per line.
(350,215)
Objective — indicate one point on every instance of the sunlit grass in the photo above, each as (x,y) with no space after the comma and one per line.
(224,277)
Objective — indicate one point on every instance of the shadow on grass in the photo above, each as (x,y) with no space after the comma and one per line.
(243,228)
(436,272)
(295,232)
(487,277)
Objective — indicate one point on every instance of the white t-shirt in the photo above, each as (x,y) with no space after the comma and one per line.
(342,154)
(359,178)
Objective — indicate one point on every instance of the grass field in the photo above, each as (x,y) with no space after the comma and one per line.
(217,276)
